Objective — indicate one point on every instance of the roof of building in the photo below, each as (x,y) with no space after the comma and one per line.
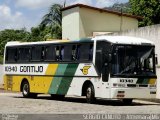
(101,10)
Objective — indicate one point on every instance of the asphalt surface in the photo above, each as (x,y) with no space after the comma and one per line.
(45,107)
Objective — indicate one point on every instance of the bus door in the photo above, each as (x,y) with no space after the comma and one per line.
(105,87)
(103,66)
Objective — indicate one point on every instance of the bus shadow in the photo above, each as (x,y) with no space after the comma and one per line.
(97,102)
(107,102)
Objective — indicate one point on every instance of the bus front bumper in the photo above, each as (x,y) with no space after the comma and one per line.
(120,93)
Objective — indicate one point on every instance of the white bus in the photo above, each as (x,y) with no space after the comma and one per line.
(111,67)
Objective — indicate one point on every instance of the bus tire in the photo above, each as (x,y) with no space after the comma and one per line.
(90,95)
(127,101)
(26,91)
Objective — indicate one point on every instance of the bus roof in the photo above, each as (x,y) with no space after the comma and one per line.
(15,43)
(112,39)
(124,40)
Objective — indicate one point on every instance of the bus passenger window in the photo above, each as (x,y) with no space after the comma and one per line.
(62,53)
(11,55)
(74,53)
(43,53)
(57,53)
(67,53)
(36,53)
(77,52)
(84,52)
(91,52)
(24,54)
(50,53)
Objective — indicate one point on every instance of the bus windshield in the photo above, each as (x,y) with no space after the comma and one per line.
(133,60)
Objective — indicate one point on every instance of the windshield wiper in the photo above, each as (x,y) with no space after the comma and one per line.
(128,68)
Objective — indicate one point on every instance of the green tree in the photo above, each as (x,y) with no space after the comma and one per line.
(53,21)
(120,7)
(12,35)
(36,35)
(148,9)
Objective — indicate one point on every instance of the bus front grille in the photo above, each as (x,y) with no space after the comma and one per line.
(137,85)
(131,85)
(143,85)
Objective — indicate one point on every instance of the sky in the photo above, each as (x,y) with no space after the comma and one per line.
(17,14)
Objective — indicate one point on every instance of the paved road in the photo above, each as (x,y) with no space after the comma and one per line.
(14,103)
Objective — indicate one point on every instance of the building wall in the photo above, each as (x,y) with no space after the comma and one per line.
(96,21)
(70,24)
(82,22)
(151,33)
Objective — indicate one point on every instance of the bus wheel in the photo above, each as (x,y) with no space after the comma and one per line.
(26,91)
(90,94)
(127,101)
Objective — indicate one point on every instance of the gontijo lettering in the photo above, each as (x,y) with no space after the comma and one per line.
(31,69)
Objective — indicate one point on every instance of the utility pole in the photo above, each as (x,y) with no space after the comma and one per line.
(121,16)
(64,5)
(121,22)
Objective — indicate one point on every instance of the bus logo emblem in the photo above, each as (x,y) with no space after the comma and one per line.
(85,70)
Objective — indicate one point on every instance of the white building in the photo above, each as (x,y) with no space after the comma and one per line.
(80,21)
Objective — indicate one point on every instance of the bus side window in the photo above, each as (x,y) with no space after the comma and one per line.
(84,52)
(42,53)
(50,53)
(156,59)
(74,49)
(23,54)
(11,55)
(91,52)
(67,53)
(36,53)
(62,53)
(57,53)
(77,52)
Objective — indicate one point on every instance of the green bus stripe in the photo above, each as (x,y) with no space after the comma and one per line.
(142,81)
(145,81)
(57,80)
(66,81)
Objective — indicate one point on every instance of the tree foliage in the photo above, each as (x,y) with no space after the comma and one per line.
(53,21)
(12,35)
(50,27)
(148,9)
(120,7)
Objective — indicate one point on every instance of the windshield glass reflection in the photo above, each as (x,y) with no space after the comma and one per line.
(136,60)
